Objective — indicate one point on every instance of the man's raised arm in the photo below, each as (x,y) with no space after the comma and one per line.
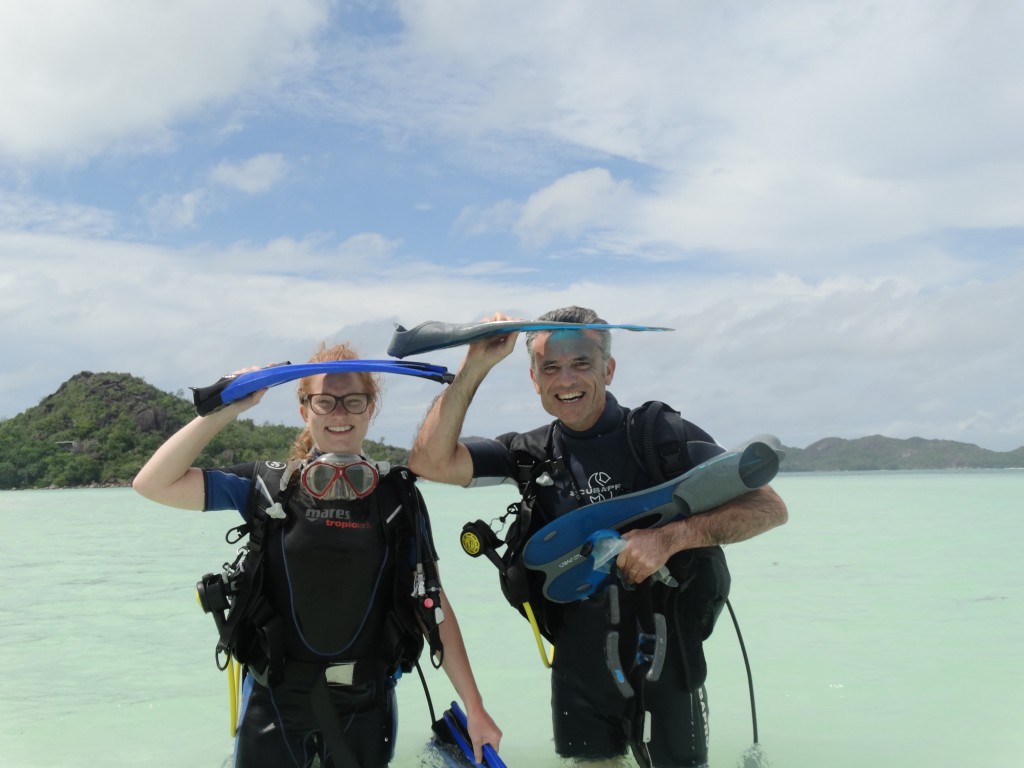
(437,453)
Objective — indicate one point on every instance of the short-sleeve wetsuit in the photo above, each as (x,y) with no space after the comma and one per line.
(590,716)
(329,572)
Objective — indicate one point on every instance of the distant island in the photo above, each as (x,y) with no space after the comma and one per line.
(97,429)
(878,453)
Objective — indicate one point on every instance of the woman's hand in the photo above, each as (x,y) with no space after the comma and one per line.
(248,401)
(482,730)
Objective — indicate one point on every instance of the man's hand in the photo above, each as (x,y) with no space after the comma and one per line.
(646,552)
(489,351)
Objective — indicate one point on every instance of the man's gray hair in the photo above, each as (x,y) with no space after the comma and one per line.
(573,314)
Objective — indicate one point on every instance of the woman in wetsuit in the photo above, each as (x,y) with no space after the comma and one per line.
(329,566)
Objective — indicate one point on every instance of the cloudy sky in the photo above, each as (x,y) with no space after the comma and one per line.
(824,199)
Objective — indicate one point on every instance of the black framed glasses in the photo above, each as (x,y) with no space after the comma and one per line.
(323,403)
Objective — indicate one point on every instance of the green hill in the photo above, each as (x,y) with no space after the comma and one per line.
(98,429)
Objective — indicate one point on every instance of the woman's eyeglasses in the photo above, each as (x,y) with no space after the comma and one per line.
(323,404)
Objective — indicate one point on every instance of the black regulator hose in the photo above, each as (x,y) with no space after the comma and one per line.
(746,663)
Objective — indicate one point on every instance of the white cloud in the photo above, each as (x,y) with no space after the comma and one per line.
(478,220)
(83,76)
(569,207)
(31,213)
(589,199)
(309,261)
(184,210)
(180,211)
(254,176)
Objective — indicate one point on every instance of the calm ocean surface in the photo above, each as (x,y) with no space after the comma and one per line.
(884,623)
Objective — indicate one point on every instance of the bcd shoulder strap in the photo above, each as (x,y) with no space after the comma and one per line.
(408,625)
(249,629)
(657,440)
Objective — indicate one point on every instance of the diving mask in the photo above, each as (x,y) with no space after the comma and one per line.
(336,476)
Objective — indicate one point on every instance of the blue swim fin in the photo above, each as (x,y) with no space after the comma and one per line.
(228,389)
(563,549)
(453,729)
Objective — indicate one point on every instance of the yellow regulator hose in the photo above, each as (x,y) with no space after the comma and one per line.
(234,670)
(545,656)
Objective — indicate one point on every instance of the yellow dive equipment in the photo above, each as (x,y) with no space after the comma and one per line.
(479,539)
(234,673)
(547,657)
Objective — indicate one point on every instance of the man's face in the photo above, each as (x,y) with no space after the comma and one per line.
(570,375)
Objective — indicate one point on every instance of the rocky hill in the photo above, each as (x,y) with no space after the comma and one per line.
(98,429)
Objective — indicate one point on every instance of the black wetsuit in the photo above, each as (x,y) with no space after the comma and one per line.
(591,717)
(329,571)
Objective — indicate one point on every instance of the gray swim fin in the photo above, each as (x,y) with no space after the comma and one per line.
(431,335)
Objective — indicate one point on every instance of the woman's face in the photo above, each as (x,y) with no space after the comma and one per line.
(338,431)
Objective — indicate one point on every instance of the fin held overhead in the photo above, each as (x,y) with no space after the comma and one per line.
(228,389)
(432,335)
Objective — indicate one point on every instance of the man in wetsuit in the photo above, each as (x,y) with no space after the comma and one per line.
(592,717)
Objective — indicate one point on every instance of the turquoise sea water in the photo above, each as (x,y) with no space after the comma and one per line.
(884,624)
